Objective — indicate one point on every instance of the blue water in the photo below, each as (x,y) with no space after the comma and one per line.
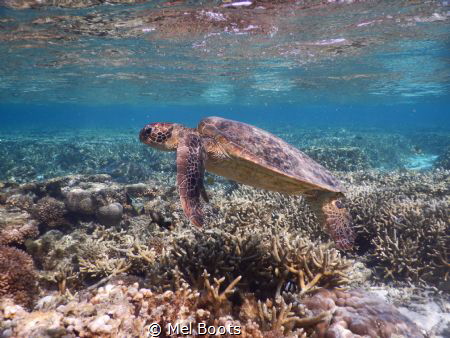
(362,87)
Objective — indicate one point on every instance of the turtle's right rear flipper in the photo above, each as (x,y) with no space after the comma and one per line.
(190,173)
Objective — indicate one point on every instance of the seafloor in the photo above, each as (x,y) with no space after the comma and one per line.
(93,241)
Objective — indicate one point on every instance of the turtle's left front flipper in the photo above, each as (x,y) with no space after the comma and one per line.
(190,172)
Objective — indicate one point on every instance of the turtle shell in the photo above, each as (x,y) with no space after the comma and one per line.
(254,156)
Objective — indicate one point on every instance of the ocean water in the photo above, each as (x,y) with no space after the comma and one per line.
(362,87)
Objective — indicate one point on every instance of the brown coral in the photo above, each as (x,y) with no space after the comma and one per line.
(49,210)
(17,276)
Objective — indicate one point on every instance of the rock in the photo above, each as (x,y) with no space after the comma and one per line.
(136,189)
(79,200)
(110,215)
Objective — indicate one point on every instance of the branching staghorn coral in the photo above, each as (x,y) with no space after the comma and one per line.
(109,251)
(308,265)
(276,316)
(220,254)
(403,224)
(249,207)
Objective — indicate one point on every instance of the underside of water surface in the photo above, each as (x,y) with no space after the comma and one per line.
(94,239)
(188,52)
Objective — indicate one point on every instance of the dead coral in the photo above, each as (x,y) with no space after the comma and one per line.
(17,276)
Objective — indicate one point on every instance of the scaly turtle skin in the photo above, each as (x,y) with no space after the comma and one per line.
(251,156)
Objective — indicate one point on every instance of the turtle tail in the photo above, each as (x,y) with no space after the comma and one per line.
(338,223)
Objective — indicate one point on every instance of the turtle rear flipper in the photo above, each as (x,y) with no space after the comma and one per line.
(190,173)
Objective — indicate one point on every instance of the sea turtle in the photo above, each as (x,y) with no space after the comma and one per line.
(251,156)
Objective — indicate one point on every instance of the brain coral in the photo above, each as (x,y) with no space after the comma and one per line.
(17,276)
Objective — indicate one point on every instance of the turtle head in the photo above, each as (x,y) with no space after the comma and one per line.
(162,136)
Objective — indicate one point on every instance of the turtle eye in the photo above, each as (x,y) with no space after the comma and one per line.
(339,204)
(145,134)
(148,132)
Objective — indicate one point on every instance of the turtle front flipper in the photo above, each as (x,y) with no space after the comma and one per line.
(338,224)
(334,217)
(190,172)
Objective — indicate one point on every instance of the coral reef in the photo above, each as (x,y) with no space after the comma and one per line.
(403,222)
(308,265)
(17,276)
(16,226)
(122,309)
(261,262)
(121,156)
(110,214)
(49,210)
(342,159)
(443,161)
(25,159)
(358,313)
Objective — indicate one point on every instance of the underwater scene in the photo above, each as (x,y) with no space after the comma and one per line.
(224,168)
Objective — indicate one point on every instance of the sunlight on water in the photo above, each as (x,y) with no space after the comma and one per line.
(290,231)
(224,54)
